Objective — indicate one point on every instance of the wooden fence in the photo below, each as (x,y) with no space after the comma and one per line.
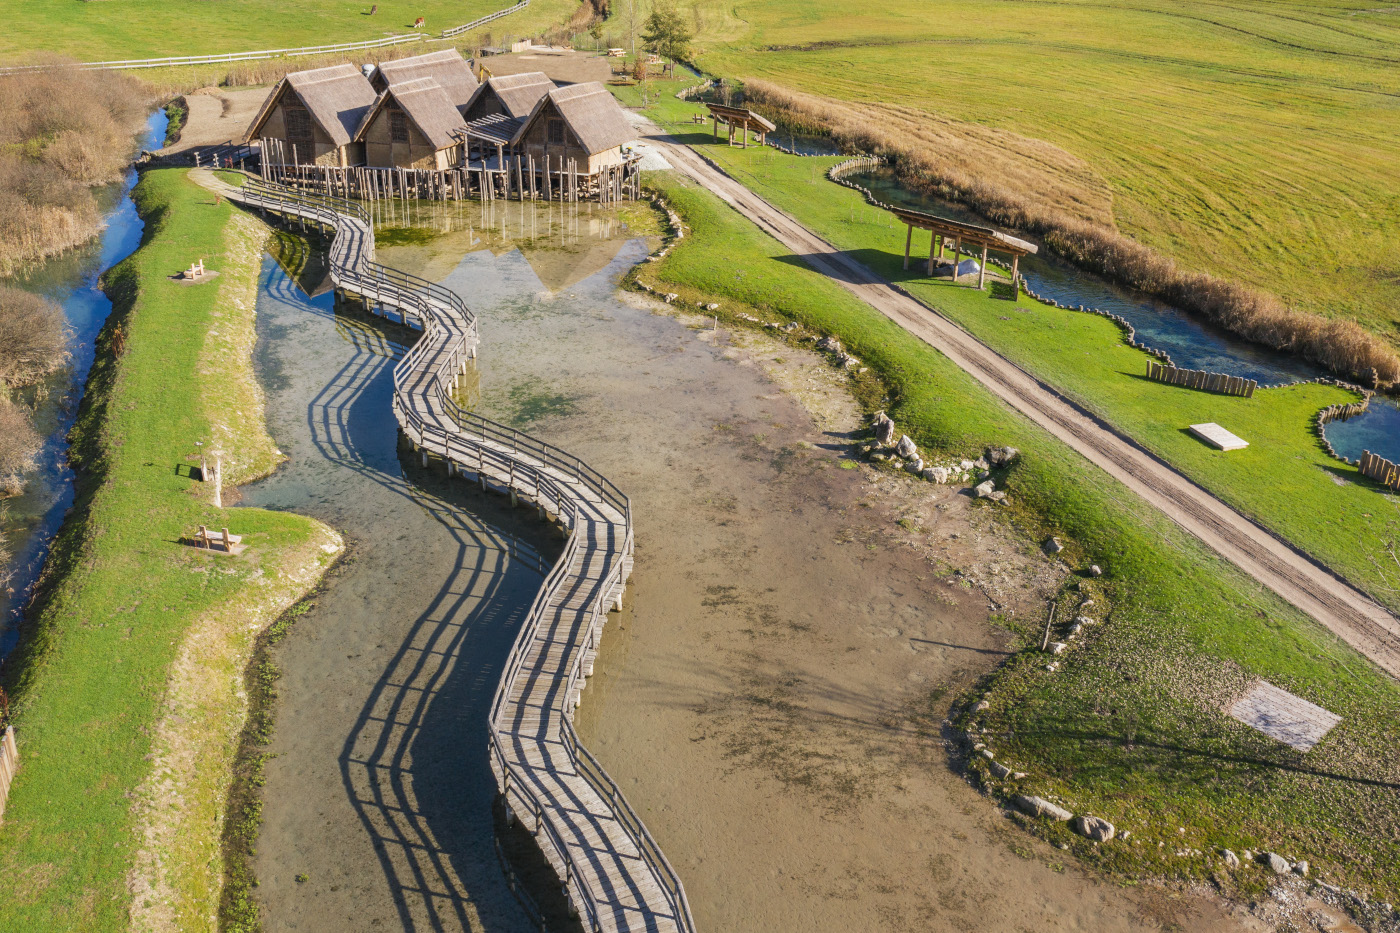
(1200,379)
(1380,469)
(9,764)
(514,177)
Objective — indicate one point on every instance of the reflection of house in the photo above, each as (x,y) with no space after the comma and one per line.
(582,123)
(312,117)
(448,68)
(412,125)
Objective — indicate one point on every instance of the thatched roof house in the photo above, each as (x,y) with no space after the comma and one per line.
(511,95)
(316,115)
(411,125)
(447,67)
(582,122)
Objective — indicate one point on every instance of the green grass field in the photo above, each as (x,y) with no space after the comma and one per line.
(1131,727)
(1285,480)
(1254,140)
(120,590)
(126,29)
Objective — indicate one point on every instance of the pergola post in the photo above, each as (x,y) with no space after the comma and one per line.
(715,117)
(908,241)
(1015,283)
(941,244)
(931,241)
(957,258)
(746,134)
(982,270)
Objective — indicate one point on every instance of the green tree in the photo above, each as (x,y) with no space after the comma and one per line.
(667,34)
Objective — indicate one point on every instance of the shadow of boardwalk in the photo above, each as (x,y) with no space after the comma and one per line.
(377,806)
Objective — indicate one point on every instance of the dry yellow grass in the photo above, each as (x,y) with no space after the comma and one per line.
(1034,186)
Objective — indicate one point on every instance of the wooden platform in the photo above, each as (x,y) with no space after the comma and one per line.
(1281,715)
(614,873)
(1217,437)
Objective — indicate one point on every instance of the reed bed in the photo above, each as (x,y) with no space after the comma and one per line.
(62,132)
(1032,186)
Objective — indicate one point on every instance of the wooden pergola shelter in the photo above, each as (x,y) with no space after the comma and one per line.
(943,229)
(742,118)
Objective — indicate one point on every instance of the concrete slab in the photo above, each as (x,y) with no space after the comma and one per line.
(1216,436)
(1281,715)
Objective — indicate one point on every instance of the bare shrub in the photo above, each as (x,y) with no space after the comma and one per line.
(33,338)
(1032,186)
(19,443)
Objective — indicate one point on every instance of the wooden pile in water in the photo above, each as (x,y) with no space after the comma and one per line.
(1200,379)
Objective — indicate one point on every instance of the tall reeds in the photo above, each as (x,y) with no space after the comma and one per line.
(1034,187)
(62,132)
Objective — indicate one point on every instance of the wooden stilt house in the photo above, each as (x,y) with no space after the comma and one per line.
(412,124)
(447,67)
(311,117)
(580,124)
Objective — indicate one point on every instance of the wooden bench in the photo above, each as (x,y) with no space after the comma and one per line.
(221,541)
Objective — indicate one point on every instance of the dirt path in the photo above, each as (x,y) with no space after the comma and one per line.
(1350,614)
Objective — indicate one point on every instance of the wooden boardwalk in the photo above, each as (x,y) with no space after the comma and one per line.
(613,872)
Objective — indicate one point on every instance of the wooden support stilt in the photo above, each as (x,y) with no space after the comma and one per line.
(982,270)
(908,241)
(931,244)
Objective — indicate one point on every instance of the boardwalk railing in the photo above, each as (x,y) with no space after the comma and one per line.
(424,380)
(261,54)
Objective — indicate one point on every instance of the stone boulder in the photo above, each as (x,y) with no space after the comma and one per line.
(907,448)
(1053,546)
(1232,861)
(884,430)
(1039,806)
(1276,863)
(1000,456)
(1091,827)
(829,343)
(936,475)
(984,490)
(1095,571)
(915,466)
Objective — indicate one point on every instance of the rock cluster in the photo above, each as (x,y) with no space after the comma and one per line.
(906,451)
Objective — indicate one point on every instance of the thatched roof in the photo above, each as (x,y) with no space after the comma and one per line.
(518,94)
(427,106)
(336,97)
(447,67)
(594,116)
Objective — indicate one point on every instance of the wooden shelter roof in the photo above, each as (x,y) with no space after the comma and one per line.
(426,104)
(518,94)
(594,116)
(741,115)
(445,66)
(970,233)
(336,97)
(498,129)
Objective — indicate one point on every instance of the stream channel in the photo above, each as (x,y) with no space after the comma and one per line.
(751,698)
(31,519)
(1191,343)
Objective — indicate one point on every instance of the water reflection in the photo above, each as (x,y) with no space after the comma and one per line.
(1191,343)
(32,519)
(1377,430)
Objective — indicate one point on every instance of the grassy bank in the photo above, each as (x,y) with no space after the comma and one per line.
(1284,480)
(1238,138)
(126,679)
(1131,725)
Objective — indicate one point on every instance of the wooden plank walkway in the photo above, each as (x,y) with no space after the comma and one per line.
(613,872)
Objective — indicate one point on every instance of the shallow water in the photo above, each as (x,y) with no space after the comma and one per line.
(1377,430)
(71,280)
(381,779)
(1191,343)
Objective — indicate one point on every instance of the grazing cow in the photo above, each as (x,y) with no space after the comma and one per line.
(374,9)
(418,23)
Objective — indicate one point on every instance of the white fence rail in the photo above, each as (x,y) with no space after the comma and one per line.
(174,61)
